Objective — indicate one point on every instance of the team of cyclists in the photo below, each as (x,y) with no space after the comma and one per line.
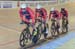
(39,14)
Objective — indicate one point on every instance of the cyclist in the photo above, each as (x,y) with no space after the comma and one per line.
(64,15)
(28,17)
(41,14)
(26,14)
(55,16)
(22,8)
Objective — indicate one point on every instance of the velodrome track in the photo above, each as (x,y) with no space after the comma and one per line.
(10,28)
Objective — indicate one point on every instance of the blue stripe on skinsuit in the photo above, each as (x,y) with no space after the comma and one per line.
(27,16)
(58,42)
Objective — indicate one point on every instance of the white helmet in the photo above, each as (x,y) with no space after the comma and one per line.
(38,6)
(23,6)
(52,9)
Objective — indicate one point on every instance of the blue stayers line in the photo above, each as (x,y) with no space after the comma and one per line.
(58,42)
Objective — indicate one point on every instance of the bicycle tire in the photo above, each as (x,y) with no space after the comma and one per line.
(53,30)
(64,26)
(24,40)
(20,41)
(39,31)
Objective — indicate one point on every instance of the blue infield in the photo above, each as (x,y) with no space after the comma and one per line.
(58,42)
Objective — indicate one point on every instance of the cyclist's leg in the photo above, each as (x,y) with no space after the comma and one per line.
(53,27)
(27,31)
(44,31)
(67,20)
(41,24)
(58,26)
(62,24)
(67,24)
(67,28)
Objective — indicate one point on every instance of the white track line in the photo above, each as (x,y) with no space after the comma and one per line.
(9,29)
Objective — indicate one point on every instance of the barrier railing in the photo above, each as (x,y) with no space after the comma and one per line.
(14,4)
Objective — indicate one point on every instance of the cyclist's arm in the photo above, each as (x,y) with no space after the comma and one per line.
(37,15)
(66,13)
(59,15)
(45,16)
(20,14)
(33,18)
(24,19)
(44,13)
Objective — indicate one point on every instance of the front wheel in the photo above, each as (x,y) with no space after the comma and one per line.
(24,37)
(53,30)
(64,27)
